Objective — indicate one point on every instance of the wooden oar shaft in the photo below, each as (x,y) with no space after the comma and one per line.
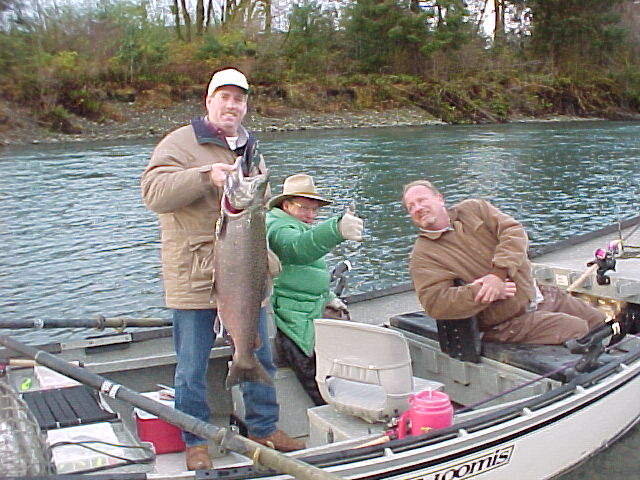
(99,322)
(18,362)
(589,271)
(222,436)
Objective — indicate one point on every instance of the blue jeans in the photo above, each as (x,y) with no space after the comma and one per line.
(193,338)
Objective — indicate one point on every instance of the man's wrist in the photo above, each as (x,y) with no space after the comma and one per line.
(501,273)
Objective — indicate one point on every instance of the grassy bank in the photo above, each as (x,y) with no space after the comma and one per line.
(372,100)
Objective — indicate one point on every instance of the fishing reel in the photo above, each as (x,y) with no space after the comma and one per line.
(605,260)
(338,275)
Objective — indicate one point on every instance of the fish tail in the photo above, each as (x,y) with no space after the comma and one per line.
(253,373)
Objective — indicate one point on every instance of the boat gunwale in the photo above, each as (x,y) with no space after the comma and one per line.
(538,402)
(147,333)
(410,445)
(584,237)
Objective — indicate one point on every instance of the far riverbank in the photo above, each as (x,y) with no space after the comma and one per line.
(136,122)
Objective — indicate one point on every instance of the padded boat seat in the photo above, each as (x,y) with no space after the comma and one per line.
(65,407)
(365,370)
(540,359)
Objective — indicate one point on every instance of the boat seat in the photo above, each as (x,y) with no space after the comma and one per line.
(65,407)
(365,370)
(540,359)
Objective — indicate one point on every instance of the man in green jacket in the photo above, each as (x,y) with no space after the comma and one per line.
(301,290)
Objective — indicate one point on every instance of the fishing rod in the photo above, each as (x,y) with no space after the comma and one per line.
(99,323)
(226,438)
(605,259)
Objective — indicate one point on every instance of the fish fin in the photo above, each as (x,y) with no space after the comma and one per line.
(218,326)
(255,373)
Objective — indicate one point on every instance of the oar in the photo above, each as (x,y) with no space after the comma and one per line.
(18,362)
(579,281)
(225,437)
(99,323)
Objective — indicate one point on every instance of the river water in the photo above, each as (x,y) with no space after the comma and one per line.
(77,241)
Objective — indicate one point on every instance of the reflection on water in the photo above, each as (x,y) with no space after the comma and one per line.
(77,241)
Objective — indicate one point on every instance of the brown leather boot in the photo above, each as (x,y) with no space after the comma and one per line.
(198,457)
(279,440)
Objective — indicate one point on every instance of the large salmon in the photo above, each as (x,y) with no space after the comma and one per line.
(240,266)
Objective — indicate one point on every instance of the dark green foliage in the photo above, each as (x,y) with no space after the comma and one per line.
(312,43)
(209,48)
(383,35)
(575,32)
(557,56)
(453,30)
(392,36)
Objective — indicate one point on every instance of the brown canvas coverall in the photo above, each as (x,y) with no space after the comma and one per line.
(483,240)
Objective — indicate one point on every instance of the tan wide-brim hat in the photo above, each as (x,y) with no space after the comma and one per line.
(299,185)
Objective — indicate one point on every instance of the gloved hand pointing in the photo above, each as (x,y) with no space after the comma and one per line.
(351,227)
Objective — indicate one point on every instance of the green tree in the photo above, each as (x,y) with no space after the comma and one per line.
(311,41)
(573,33)
(453,27)
(384,34)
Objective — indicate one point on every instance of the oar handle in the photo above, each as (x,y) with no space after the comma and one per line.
(589,271)
(260,454)
(18,362)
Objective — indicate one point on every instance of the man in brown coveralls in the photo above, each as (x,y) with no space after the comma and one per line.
(475,242)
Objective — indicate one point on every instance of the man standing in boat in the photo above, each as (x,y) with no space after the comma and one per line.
(183,184)
(301,291)
(475,242)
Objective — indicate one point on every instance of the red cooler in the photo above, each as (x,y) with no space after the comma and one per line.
(166,438)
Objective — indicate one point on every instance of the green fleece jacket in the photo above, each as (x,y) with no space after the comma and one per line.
(301,290)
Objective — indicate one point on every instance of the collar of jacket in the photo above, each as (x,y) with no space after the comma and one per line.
(279,213)
(206,132)
(454,225)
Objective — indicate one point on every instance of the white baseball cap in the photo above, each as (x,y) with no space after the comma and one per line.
(228,76)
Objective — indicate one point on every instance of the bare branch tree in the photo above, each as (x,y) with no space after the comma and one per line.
(209,15)
(199,17)
(187,20)
(175,10)
(267,15)
(499,30)
(481,16)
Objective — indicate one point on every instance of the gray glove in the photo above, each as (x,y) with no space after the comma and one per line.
(351,227)
(337,304)
(336,309)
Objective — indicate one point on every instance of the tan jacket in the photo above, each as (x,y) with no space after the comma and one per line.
(177,186)
(482,240)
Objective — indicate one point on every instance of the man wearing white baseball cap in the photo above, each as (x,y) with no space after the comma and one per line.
(183,183)
(228,76)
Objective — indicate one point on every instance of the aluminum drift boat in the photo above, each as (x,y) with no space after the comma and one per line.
(525,412)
